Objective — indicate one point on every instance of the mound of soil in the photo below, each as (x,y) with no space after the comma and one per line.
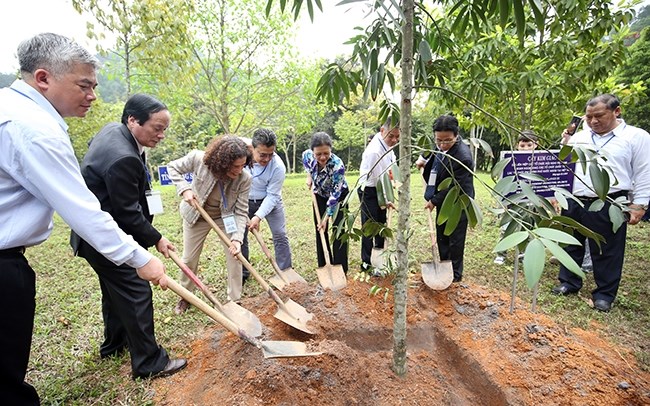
(464,347)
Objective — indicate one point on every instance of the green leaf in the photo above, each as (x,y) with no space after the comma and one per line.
(597,205)
(504,12)
(565,151)
(532,176)
(616,216)
(564,258)
(444,184)
(425,51)
(599,179)
(506,185)
(510,241)
(497,170)
(453,220)
(556,235)
(534,262)
(448,204)
(561,200)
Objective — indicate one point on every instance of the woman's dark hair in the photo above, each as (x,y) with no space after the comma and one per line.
(141,107)
(446,123)
(320,139)
(222,152)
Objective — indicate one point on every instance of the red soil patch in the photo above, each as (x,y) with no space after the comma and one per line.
(464,347)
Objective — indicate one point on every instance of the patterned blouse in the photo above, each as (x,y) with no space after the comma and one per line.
(329,181)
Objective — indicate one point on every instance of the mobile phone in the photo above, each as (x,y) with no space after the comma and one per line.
(573,125)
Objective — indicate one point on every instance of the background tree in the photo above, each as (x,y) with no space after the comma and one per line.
(635,70)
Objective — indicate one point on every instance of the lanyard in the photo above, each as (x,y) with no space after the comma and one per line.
(593,140)
(261,173)
(224,202)
(381,142)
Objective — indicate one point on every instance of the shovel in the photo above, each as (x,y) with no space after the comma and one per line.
(246,320)
(290,312)
(270,349)
(437,275)
(329,276)
(281,278)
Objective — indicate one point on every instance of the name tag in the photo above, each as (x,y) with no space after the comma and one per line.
(432,178)
(154,202)
(229,223)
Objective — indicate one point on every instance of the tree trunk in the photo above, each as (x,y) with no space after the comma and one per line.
(400,283)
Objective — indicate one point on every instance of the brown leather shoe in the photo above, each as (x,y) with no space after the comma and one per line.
(182,306)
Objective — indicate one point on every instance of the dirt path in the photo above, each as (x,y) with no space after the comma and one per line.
(464,349)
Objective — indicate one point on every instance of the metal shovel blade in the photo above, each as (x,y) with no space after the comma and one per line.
(437,275)
(285,349)
(377,257)
(332,277)
(286,277)
(243,318)
(296,317)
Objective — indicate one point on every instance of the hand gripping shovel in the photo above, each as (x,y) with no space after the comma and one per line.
(281,278)
(385,195)
(290,312)
(330,276)
(243,318)
(270,349)
(437,275)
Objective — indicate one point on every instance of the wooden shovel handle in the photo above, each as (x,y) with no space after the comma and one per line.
(209,311)
(266,251)
(323,240)
(195,279)
(224,238)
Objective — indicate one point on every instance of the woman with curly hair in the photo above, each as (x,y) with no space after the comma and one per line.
(221,186)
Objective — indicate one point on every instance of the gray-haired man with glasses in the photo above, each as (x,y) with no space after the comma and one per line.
(265,196)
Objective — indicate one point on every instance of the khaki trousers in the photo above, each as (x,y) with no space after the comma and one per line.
(193,239)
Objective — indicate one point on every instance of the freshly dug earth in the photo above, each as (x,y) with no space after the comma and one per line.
(464,348)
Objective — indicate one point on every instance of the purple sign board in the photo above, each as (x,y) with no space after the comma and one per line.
(542,163)
(164,176)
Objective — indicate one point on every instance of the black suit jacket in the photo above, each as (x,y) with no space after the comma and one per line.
(446,167)
(115,172)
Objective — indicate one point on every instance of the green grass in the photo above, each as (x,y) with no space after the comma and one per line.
(65,366)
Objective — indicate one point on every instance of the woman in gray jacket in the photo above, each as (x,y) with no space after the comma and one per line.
(221,186)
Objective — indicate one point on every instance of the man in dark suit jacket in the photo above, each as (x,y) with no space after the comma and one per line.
(451,161)
(115,171)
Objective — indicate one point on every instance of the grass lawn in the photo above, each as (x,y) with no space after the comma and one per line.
(65,366)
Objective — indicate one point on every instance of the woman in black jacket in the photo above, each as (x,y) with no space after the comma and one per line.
(453,159)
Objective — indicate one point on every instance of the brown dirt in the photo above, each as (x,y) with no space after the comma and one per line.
(464,348)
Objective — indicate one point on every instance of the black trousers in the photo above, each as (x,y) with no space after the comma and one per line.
(370,210)
(127,310)
(338,249)
(452,247)
(607,260)
(17,306)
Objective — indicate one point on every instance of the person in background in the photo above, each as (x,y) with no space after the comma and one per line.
(115,170)
(326,179)
(377,159)
(527,141)
(58,78)
(627,149)
(265,197)
(452,160)
(220,185)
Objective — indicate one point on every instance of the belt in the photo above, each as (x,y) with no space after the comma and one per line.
(256,200)
(612,196)
(12,251)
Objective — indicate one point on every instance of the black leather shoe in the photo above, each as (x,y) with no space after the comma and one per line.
(457,278)
(173,366)
(563,290)
(602,305)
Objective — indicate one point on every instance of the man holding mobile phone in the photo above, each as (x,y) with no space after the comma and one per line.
(627,149)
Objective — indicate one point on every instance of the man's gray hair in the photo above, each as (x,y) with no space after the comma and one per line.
(608,99)
(53,52)
(264,136)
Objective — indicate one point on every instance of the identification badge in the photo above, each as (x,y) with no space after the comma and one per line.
(154,202)
(229,223)
(432,178)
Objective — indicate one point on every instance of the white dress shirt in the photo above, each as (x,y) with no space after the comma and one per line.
(39,174)
(373,161)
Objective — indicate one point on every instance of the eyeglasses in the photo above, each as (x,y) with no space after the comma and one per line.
(445,142)
(263,155)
